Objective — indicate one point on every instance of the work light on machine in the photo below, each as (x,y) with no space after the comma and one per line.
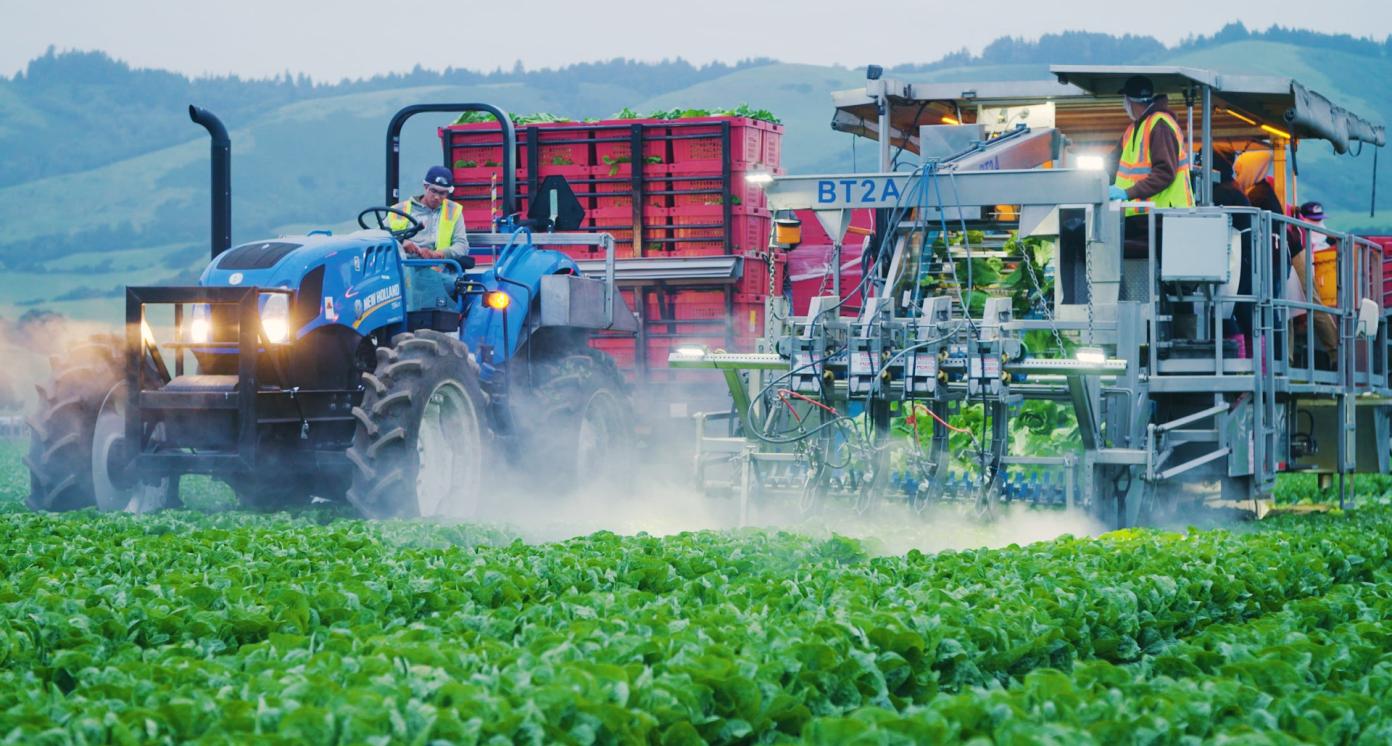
(1090,162)
(759,176)
(497,300)
(1091,355)
(691,351)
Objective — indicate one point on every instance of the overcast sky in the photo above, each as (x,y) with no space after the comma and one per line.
(333,39)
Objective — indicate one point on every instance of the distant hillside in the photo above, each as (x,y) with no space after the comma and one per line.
(103,180)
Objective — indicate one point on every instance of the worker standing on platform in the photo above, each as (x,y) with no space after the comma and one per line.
(1152,166)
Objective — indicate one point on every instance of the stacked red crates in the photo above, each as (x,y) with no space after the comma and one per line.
(694,201)
(725,317)
(686,174)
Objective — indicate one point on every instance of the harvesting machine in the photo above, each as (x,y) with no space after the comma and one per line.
(1003,288)
(335,366)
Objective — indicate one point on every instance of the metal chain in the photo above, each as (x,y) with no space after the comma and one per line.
(826,275)
(1027,256)
(1091,335)
(773,275)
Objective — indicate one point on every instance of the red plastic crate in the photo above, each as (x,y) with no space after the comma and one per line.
(473,191)
(559,146)
(613,145)
(699,230)
(773,147)
(476,145)
(700,176)
(685,304)
(621,349)
(480,143)
(699,140)
(754,280)
(618,222)
(613,187)
(624,349)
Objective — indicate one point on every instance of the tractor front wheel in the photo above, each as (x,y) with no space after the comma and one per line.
(423,437)
(114,488)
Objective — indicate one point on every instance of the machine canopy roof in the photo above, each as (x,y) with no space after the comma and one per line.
(1086,101)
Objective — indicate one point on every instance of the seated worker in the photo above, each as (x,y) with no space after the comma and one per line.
(1152,165)
(444,236)
(1326,331)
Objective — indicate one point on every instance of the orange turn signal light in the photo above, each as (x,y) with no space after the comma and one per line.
(497,300)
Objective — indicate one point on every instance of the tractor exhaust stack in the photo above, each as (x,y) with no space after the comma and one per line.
(221,177)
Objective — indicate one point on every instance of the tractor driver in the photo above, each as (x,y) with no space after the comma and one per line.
(444,236)
(1152,166)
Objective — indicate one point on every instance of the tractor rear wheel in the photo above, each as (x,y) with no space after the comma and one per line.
(584,417)
(60,449)
(423,437)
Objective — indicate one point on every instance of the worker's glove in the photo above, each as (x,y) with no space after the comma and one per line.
(1116,193)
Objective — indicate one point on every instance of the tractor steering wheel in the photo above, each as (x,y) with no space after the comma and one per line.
(381,214)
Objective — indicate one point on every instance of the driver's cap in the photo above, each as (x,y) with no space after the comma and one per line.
(439,176)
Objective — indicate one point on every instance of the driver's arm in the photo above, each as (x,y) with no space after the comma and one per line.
(459,243)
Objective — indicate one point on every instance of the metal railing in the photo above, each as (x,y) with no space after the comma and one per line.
(1282,356)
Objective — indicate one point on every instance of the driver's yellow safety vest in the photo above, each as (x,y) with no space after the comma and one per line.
(450,213)
(1135,162)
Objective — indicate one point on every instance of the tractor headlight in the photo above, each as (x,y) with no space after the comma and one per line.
(275,317)
(200,326)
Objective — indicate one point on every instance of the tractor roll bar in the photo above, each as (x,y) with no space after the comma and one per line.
(509,147)
(221,178)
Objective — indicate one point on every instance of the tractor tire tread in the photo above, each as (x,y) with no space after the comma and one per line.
(60,449)
(40,432)
(383,452)
(361,464)
(369,426)
(375,383)
(391,400)
(420,343)
(402,366)
(395,435)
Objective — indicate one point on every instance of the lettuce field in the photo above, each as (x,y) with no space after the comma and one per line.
(232,627)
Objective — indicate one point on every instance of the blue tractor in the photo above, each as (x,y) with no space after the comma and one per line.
(334,366)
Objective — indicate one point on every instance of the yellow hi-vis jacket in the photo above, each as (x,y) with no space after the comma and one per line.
(1135,162)
(449,215)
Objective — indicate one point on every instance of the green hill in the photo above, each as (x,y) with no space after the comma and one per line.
(104,180)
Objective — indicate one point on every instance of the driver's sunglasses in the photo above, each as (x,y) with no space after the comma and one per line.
(438,191)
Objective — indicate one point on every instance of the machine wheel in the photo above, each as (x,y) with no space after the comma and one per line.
(60,451)
(112,489)
(585,418)
(423,437)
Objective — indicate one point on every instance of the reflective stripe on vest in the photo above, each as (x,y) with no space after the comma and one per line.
(450,213)
(1135,164)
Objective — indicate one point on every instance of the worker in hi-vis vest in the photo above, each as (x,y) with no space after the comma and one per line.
(1152,166)
(444,236)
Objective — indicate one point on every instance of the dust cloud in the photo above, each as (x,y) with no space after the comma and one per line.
(662,500)
(26,346)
